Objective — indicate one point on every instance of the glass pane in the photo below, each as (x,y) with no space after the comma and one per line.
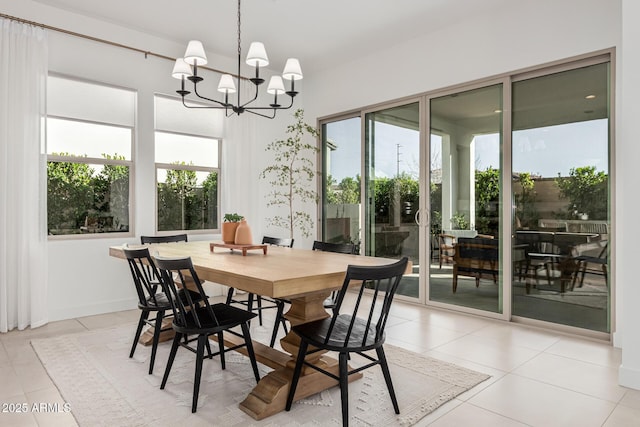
(187,200)
(561,197)
(82,139)
(392,186)
(466,198)
(341,147)
(173,148)
(86,198)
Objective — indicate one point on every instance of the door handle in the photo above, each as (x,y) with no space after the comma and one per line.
(417,217)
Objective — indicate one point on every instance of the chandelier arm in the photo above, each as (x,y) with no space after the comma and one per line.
(262,115)
(251,100)
(201,106)
(270,108)
(223,105)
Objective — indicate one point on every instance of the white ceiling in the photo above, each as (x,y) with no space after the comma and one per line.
(318,32)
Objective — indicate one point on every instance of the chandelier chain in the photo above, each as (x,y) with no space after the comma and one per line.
(239,40)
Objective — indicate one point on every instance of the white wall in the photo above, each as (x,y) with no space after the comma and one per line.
(627,155)
(523,34)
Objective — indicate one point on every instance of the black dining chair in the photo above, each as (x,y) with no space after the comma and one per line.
(353,328)
(174,238)
(341,248)
(192,319)
(276,303)
(164,239)
(150,298)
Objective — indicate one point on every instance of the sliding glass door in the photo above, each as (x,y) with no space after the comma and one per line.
(498,192)
(561,197)
(341,153)
(392,187)
(466,198)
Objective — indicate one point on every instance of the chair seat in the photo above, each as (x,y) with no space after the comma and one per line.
(158,302)
(162,302)
(316,333)
(591,259)
(228,317)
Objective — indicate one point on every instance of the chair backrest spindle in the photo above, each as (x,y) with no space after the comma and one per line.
(142,269)
(342,248)
(383,280)
(164,239)
(277,241)
(176,270)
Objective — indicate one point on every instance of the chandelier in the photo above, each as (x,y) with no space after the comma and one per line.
(187,69)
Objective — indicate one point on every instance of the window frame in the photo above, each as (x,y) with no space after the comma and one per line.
(99,161)
(194,168)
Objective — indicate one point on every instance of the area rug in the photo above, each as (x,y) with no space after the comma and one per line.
(104,387)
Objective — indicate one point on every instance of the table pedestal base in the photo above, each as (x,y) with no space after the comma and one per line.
(270,395)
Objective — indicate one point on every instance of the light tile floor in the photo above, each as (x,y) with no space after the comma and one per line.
(539,378)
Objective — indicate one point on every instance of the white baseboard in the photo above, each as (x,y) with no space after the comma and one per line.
(628,377)
(64,313)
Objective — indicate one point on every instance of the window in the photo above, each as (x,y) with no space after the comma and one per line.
(187,157)
(89,134)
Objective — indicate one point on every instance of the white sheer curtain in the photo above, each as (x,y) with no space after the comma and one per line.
(239,165)
(23,212)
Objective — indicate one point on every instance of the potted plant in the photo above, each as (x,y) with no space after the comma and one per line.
(291,177)
(459,221)
(229,226)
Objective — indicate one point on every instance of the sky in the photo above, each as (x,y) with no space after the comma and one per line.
(546,151)
(92,140)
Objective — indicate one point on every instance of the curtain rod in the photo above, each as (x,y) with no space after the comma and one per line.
(108,42)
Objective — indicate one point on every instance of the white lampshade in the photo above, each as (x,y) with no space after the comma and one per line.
(276,86)
(226,84)
(194,55)
(257,55)
(292,70)
(181,69)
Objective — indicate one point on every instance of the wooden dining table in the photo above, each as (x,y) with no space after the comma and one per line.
(304,277)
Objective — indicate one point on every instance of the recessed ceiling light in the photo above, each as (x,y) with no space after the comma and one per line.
(497,111)
(590,97)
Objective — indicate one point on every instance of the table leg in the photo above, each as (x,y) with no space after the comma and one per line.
(270,395)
